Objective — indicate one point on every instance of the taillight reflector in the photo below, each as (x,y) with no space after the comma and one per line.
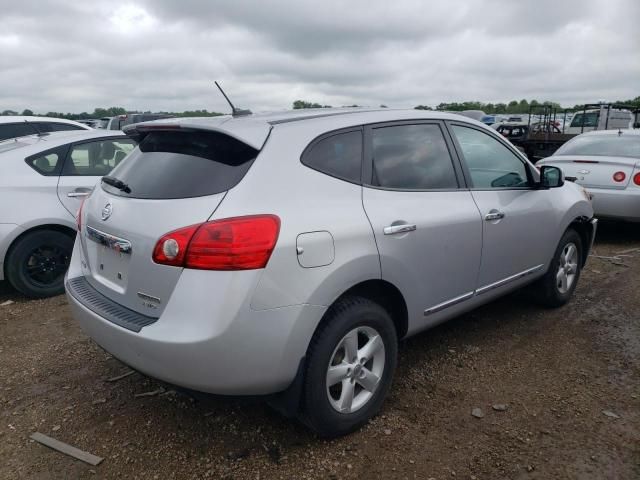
(79,216)
(636,179)
(238,243)
(619,177)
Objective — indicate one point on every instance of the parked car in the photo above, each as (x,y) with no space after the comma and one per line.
(15,126)
(120,121)
(43,181)
(607,164)
(286,254)
(90,122)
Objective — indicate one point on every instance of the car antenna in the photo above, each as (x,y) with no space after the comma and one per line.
(235,112)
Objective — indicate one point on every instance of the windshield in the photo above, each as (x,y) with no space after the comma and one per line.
(603,145)
(590,119)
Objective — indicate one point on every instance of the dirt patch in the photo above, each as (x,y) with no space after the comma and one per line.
(550,373)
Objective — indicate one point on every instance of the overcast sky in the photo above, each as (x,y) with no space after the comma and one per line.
(72,56)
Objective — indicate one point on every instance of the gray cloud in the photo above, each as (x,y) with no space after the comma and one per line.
(163,55)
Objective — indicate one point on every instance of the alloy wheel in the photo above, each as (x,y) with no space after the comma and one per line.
(567,268)
(355,369)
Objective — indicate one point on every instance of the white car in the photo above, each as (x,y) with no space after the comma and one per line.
(607,164)
(15,126)
(44,178)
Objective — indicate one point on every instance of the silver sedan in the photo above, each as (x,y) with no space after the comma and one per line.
(607,164)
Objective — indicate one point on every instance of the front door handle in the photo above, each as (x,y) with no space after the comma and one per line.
(493,215)
(405,227)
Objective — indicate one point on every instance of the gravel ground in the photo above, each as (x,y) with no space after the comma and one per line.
(542,380)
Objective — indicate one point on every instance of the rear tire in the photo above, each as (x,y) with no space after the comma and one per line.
(350,365)
(37,263)
(557,286)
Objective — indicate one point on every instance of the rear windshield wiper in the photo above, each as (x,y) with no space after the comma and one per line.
(114,182)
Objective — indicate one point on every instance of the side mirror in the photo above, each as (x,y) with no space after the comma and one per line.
(551,177)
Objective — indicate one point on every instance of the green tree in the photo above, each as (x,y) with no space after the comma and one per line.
(27,112)
(422,107)
(298,104)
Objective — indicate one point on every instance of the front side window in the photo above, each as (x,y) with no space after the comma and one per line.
(412,157)
(339,155)
(490,163)
(97,158)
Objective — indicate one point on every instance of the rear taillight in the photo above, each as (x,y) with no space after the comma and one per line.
(238,243)
(636,179)
(619,177)
(79,216)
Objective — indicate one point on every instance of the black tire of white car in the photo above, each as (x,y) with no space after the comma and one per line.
(349,314)
(43,255)
(548,291)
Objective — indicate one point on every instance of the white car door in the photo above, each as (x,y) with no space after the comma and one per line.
(515,235)
(86,163)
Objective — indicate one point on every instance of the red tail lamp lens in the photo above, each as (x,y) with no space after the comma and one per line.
(238,243)
(636,179)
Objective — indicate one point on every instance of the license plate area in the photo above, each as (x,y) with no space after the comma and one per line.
(112,258)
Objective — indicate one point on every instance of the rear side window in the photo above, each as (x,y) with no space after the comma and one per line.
(590,119)
(183,164)
(14,130)
(97,158)
(338,155)
(57,127)
(48,163)
(412,157)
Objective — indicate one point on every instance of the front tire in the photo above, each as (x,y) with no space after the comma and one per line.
(557,286)
(38,261)
(350,365)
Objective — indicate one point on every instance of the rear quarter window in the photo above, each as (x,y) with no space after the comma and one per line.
(183,164)
(48,163)
(338,155)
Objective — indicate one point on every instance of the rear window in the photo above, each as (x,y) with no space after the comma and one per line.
(602,145)
(183,164)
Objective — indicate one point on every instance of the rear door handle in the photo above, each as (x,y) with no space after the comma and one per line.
(405,227)
(79,192)
(493,215)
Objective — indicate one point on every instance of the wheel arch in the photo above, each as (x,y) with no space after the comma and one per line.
(584,228)
(385,294)
(56,227)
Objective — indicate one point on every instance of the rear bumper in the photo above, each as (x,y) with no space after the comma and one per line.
(616,204)
(209,343)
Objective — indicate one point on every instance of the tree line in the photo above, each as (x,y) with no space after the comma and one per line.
(514,106)
(110,112)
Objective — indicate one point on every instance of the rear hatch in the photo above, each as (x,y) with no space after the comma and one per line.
(595,171)
(176,177)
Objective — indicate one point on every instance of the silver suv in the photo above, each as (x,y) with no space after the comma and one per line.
(286,254)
